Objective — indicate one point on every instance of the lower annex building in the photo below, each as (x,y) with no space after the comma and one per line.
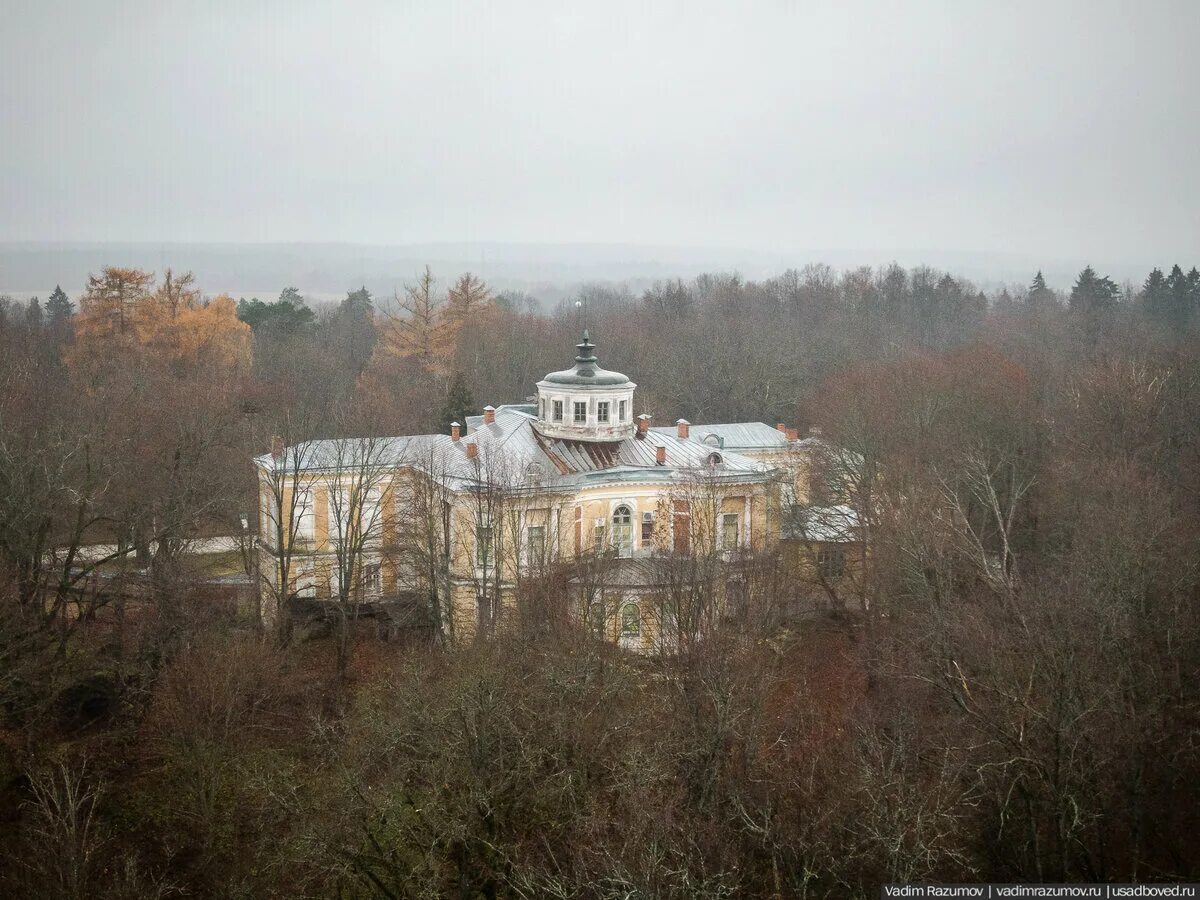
(571,496)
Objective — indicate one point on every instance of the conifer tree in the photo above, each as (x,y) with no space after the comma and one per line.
(59,307)
(1040,296)
(1154,296)
(460,402)
(1094,294)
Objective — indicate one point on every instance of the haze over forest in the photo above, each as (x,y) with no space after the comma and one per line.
(545,146)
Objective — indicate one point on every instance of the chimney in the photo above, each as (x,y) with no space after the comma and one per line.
(472,450)
(681,428)
(660,455)
(781,427)
(489,415)
(276,446)
(455,431)
(643,423)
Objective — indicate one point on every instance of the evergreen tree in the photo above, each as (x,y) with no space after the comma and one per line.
(33,314)
(354,329)
(1155,296)
(59,307)
(1040,296)
(1093,294)
(283,317)
(460,403)
(1179,298)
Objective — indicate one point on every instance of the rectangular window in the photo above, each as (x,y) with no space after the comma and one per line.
(602,412)
(647,529)
(621,411)
(373,579)
(558,410)
(599,535)
(536,543)
(597,618)
(580,412)
(306,519)
(729,531)
(483,546)
(831,562)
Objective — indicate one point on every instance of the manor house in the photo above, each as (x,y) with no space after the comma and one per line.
(570,495)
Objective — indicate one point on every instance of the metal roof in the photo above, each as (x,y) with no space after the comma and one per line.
(587,371)
(735,435)
(648,571)
(825,524)
(511,452)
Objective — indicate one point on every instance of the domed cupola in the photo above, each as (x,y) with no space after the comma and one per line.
(586,402)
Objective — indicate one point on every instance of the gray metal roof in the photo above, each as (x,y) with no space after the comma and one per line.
(735,435)
(825,524)
(644,572)
(587,371)
(511,452)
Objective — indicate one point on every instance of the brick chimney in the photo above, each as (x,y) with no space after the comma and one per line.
(660,455)
(781,428)
(455,431)
(472,450)
(276,446)
(643,423)
(681,428)
(489,415)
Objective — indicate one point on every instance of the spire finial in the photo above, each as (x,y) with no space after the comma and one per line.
(586,358)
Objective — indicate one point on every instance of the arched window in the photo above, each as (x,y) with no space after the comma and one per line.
(623,530)
(714,459)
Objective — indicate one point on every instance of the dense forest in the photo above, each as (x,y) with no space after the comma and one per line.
(1010,691)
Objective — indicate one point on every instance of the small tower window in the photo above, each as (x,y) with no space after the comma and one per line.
(580,412)
(602,411)
(621,411)
(558,410)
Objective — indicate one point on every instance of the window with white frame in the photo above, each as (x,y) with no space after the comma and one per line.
(558,410)
(623,530)
(602,411)
(647,529)
(535,544)
(729,531)
(373,579)
(483,546)
(306,519)
(621,411)
(580,412)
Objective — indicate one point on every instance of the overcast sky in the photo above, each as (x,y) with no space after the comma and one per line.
(1056,128)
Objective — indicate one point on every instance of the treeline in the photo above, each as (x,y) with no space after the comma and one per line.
(1007,690)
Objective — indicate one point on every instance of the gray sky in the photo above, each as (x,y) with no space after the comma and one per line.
(1066,129)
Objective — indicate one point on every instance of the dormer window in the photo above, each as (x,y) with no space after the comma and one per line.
(580,412)
(558,410)
(602,411)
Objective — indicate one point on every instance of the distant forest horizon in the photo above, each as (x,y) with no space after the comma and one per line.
(549,272)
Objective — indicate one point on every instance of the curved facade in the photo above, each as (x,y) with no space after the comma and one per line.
(585,402)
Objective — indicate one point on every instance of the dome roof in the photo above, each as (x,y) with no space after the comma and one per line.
(586,372)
